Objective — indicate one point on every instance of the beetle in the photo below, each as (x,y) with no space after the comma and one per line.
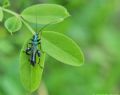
(33,49)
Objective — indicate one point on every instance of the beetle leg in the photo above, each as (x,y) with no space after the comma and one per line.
(38,40)
(39,54)
(27,51)
(31,39)
(30,43)
(39,43)
(40,65)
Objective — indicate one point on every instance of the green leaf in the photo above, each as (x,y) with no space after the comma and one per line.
(13,24)
(62,48)
(45,13)
(1,14)
(30,76)
(6,3)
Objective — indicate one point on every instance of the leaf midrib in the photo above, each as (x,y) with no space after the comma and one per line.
(66,53)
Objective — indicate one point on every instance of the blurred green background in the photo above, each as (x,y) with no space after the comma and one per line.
(95,26)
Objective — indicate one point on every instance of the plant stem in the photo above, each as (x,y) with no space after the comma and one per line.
(17,15)
(28,26)
(10,12)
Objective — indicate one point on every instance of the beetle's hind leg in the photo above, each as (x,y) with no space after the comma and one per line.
(39,54)
(39,64)
(39,40)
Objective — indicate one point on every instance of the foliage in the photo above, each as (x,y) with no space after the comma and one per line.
(47,14)
(94,25)
(13,24)
(61,48)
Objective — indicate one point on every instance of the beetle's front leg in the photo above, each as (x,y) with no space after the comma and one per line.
(27,51)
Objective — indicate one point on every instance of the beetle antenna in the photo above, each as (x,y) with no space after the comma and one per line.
(42,29)
(36,24)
